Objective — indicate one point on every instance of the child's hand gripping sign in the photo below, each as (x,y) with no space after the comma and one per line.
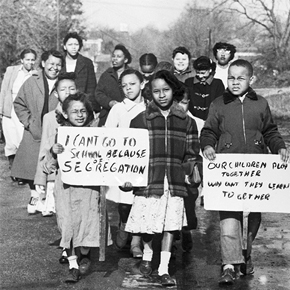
(103,156)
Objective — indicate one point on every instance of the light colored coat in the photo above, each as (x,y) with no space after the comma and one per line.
(6,100)
(49,131)
(28,106)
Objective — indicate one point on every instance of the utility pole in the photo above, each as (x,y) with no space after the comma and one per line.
(57,25)
(209,42)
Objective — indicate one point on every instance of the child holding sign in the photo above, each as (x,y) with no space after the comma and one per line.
(239,121)
(159,207)
(78,211)
(120,116)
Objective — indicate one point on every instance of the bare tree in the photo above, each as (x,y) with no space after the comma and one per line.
(272,18)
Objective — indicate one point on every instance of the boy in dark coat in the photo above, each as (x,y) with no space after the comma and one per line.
(239,121)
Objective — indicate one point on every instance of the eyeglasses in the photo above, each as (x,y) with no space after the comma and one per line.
(224,50)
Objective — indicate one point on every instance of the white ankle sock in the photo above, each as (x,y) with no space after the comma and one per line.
(228,266)
(147,255)
(164,262)
(73,262)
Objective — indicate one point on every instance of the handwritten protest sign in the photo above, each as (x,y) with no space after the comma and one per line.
(247,182)
(103,156)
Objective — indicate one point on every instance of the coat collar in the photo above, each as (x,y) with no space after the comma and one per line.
(153,111)
(208,80)
(229,97)
(177,72)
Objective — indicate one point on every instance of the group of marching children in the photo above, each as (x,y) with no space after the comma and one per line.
(186,109)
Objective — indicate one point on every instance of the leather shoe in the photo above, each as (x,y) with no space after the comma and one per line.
(247,268)
(228,277)
(166,280)
(21,181)
(73,276)
(63,258)
(142,267)
(85,264)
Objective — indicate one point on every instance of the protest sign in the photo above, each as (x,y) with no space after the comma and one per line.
(247,182)
(103,156)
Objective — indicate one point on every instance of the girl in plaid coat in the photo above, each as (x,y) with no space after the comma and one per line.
(159,207)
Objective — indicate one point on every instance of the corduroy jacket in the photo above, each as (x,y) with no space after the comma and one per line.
(233,126)
(172,141)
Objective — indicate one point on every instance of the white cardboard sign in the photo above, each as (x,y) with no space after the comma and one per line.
(246,182)
(103,156)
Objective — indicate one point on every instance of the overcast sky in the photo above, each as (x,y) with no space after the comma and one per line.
(132,14)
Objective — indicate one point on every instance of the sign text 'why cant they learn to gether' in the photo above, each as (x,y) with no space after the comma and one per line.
(247,182)
(103,156)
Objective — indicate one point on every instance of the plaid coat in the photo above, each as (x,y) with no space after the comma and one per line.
(172,141)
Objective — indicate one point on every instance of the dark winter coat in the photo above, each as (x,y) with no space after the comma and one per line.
(107,90)
(241,127)
(85,78)
(201,95)
(171,141)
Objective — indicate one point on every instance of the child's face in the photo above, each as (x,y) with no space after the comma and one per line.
(118,58)
(223,56)
(239,80)
(76,114)
(147,71)
(72,46)
(162,94)
(65,88)
(184,103)
(181,61)
(203,75)
(131,86)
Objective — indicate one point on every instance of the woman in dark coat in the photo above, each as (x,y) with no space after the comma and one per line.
(82,66)
(108,92)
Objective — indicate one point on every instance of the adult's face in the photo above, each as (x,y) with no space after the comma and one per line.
(118,59)
(28,61)
(52,67)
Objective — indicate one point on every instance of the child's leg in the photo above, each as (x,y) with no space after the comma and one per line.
(189,205)
(231,245)
(254,221)
(165,255)
(35,203)
(74,272)
(136,246)
(122,235)
(144,266)
(84,258)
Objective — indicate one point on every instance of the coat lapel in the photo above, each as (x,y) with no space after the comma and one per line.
(80,64)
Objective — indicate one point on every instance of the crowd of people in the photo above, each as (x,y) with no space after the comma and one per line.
(190,108)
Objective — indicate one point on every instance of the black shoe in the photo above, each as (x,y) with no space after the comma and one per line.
(14,179)
(228,277)
(166,280)
(202,201)
(142,267)
(85,264)
(63,258)
(73,276)
(186,241)
(21,181)
(248,267)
